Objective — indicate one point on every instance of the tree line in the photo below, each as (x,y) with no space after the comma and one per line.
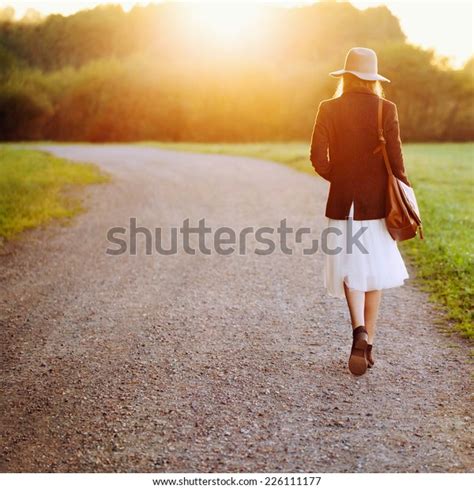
(152,74)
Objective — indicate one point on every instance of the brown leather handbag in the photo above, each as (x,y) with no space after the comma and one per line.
(402,214)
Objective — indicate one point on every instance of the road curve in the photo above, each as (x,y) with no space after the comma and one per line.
(211,363)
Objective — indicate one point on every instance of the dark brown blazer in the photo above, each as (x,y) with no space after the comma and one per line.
(344,137)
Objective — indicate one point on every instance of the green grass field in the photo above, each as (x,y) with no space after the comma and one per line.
(442,175)
(34,188)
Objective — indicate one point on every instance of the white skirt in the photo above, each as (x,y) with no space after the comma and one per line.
(376,265)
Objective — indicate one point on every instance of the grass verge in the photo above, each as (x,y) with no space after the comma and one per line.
(442,174)
(33,188)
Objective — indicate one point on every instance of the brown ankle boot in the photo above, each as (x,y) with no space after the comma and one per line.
(370,359)
(358,359)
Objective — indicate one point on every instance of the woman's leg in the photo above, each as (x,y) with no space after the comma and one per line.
(371,310)
(356,303)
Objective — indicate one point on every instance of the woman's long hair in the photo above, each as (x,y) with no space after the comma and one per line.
(348,81)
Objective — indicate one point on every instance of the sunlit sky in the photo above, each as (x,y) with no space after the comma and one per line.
(446,26)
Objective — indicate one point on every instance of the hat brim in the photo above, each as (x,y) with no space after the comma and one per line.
(361,75)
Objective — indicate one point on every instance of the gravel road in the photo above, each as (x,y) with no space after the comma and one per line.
(212,363)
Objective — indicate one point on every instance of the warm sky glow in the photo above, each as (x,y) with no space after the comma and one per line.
(224,22)
(443,25)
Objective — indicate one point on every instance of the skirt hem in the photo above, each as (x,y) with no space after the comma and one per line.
(340,294)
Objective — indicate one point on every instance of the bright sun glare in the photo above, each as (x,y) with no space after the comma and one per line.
(446,26)
(224,22)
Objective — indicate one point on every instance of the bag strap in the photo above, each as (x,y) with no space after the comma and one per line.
(382,141)
(382,147)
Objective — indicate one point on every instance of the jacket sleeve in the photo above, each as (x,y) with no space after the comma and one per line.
(320,144)
(394,145)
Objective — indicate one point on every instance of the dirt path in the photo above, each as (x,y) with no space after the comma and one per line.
(211,363)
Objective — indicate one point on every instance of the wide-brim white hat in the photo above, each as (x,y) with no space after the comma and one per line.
(361,62)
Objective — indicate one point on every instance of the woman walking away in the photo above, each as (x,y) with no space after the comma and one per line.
(342,151)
